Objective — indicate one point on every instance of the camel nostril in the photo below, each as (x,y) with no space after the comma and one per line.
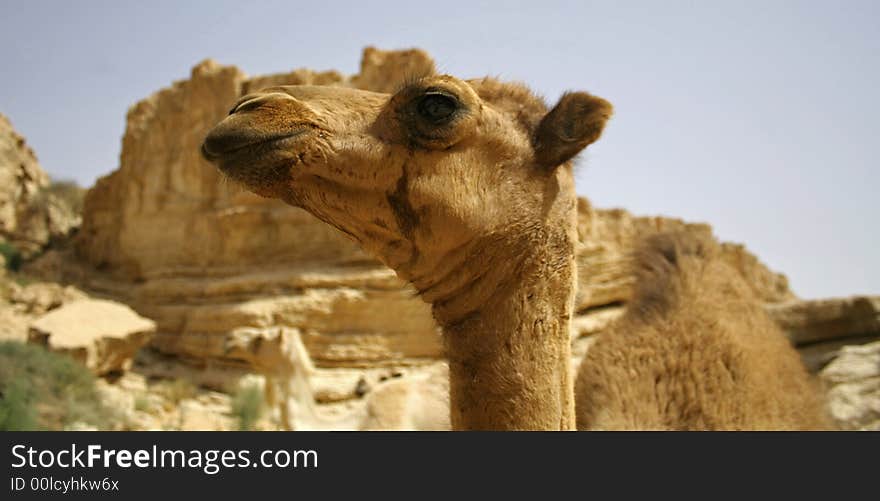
(245,103)
(242,101)
(254,101)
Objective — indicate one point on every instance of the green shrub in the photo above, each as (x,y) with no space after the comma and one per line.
(12,256)
(16,411)
(177,390)
(41,390)
(247,406)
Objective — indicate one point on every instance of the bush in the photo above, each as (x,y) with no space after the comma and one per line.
(12,256)
(16,412)
(247,406)
(41,390)
(177,390)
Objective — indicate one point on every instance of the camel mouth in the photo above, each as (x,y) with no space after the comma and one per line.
(256,162)
(219,145)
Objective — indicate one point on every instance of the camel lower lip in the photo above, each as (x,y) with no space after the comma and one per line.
(261,163)
(261,143)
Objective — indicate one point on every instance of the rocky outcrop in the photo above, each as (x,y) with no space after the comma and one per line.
(21,180)
(819,328)
(102,335)
(817,321)
(853,382)
(22,304)
(164,192)
(608,236)
(31,211)
(40,297)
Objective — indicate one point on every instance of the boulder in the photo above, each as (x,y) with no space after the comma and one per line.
(102,335)
(853,383)
(417,401)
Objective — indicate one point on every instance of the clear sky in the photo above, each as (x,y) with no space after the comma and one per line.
(758,117)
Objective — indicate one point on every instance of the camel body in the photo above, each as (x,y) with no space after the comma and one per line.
(694,351)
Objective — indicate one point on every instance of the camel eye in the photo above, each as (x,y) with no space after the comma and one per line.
(437,108)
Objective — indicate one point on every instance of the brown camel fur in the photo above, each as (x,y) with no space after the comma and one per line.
(465,189)
(694,351)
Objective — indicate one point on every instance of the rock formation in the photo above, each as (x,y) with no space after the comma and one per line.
(21,179)
(30,213)
(853,381)
(22,304)
(821,327)
(102,335)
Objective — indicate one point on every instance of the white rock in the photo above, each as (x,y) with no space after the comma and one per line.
(853,381)
(102,335)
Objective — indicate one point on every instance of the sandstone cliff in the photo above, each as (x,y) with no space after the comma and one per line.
(167,212)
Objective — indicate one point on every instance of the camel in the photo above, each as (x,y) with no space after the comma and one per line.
(282,358)
(465,188)
(694,350)
(396,404)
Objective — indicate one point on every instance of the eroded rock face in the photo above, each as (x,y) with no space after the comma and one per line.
(21,178)
(40,297)
(608,236)
(853,381)
(102,335)
(168,212)
(820,320)
(22,304)
(30,215)
(821,327)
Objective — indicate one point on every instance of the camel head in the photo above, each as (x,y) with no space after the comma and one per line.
(417,177)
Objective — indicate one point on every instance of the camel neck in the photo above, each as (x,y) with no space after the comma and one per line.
(509,354)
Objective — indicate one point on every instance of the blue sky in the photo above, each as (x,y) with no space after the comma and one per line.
(758,117)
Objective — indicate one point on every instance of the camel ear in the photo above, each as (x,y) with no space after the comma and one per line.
(576,121)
